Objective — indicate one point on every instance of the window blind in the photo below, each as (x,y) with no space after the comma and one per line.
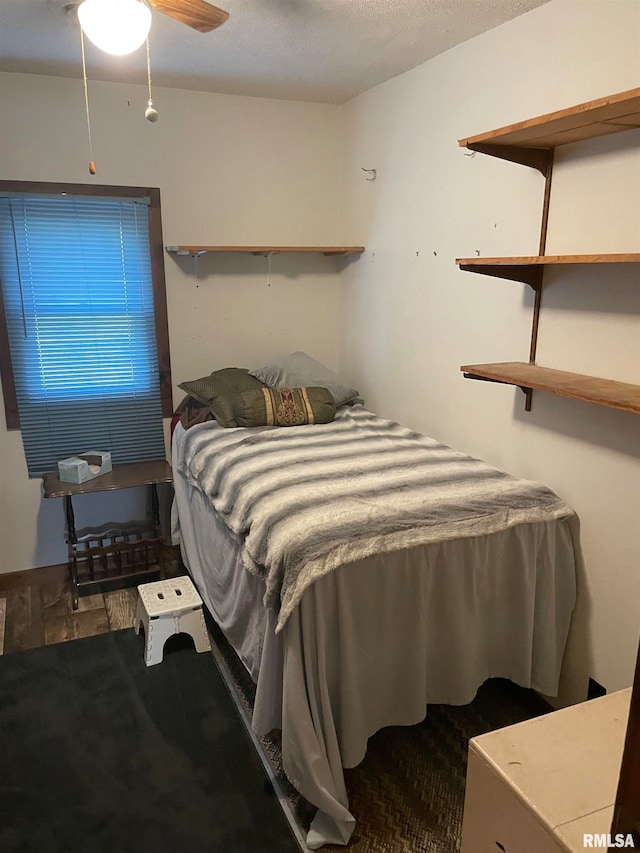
(78,297)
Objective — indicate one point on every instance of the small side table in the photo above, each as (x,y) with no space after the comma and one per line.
(114,555)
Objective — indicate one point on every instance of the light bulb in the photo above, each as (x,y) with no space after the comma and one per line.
(115,26)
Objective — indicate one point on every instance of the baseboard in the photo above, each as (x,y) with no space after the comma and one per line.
(33,577)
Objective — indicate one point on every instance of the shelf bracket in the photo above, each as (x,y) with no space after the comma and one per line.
(541,250)
(528,274)
(528,392)
(535,158)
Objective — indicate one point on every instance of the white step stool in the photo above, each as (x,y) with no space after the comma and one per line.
(166,608)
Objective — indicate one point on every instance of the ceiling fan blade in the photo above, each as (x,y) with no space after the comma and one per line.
(194,13)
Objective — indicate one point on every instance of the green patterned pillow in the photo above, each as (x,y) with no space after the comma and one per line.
(284,407)
(219,390)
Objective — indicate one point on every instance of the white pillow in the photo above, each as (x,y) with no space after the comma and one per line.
(299,370)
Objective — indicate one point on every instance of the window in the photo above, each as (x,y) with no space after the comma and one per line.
(85,361)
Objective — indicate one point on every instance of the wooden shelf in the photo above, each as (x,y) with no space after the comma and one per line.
(533,143)
(529,141)
(528,269)
(604,392)
(267,250)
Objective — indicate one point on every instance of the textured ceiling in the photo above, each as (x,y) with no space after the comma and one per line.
(311,50)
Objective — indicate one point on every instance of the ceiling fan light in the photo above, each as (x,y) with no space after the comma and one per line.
(115,26)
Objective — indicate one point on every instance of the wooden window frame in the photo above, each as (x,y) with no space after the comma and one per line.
(156,253)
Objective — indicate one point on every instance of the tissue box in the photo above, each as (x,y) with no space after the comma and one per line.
(86,466)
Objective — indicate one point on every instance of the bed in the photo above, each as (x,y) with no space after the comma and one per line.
(361,571)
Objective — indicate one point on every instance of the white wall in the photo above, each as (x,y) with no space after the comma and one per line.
(414,318)
(231,170)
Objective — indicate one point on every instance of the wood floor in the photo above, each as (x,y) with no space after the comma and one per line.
(36,609)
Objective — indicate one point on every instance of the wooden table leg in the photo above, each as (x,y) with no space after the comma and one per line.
(155,508)
(72,541)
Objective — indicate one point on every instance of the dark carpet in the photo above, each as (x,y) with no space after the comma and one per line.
(407,795)
(100,754)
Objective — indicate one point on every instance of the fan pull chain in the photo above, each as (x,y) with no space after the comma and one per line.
(151,113)
(269,256)
(92,165)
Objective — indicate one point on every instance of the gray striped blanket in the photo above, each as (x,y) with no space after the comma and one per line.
(302,501)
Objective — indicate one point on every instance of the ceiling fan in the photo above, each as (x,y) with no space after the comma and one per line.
(202,16)
(126,23)
(119,27)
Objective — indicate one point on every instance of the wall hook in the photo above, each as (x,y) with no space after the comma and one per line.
(372,172)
